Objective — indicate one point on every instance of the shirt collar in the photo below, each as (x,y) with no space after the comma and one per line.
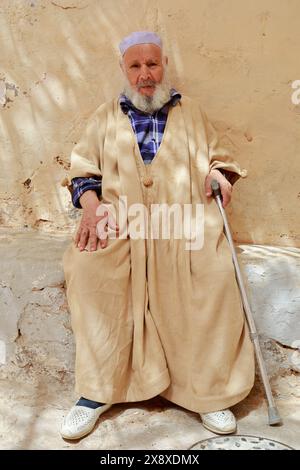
(126,104)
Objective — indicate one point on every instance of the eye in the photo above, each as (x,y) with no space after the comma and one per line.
(134,66)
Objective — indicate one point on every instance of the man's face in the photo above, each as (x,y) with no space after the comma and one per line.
(143,67)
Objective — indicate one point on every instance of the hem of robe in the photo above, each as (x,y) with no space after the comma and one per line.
(134,393)
(203,405)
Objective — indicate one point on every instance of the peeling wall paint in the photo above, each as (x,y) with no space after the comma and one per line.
(59,60)
(8,92)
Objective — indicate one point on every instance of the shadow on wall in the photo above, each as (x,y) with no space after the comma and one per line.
(60,63)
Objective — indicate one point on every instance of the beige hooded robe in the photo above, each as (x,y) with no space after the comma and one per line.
(149,316)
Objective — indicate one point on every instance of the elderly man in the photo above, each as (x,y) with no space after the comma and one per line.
(150,316)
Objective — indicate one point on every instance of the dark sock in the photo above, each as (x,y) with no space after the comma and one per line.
(89,403)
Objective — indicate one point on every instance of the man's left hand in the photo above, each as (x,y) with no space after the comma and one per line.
(225,186)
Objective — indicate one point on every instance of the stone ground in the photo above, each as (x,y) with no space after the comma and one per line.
(36,371)
(31,414)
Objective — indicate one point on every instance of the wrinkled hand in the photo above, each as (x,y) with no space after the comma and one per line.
(95,223)
(225,186)
(86,235)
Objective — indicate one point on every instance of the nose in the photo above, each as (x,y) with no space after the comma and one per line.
(145,72)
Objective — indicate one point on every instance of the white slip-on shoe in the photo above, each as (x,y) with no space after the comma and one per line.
(80,421)
(219,422)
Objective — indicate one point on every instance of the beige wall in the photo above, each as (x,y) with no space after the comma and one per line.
(59,60)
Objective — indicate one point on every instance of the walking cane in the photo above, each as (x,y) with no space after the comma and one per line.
(274,417)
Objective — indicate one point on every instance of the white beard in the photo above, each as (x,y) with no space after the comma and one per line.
(149,104)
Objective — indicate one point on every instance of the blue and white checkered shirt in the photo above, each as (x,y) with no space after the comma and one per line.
(149,130)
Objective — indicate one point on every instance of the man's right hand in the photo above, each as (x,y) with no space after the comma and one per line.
(86,235)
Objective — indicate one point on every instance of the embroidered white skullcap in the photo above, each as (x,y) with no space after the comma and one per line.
(139,37)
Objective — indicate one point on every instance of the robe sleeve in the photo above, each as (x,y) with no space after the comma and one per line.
(219,157)
(85,157)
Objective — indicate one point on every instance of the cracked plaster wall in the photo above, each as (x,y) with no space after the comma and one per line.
(59,60)
(34,322)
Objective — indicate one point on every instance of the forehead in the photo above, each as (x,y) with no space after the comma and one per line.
(142,52)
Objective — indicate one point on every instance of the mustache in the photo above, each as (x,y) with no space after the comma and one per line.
(145,83)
